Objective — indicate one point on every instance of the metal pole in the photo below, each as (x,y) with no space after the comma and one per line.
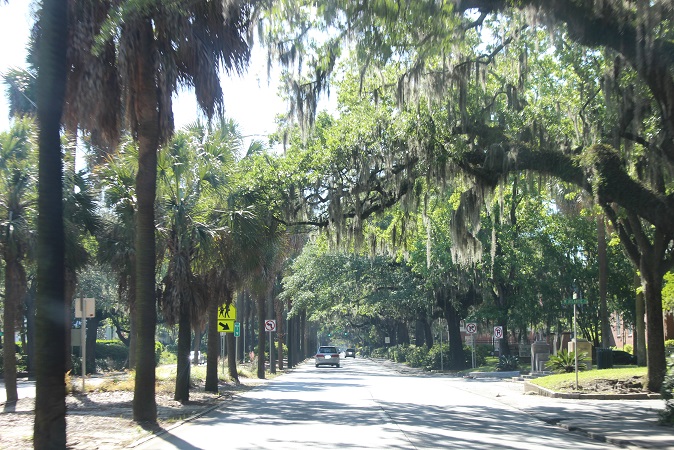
(472,338)
(575,338)
(223,342)
(270,350)
(83,344)
(441,358)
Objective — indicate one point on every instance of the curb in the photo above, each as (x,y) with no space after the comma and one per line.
(535,389)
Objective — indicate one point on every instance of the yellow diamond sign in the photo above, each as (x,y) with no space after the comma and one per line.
(225,326)
(227,312)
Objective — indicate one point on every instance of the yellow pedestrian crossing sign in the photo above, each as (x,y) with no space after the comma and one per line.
(225,326)
(227,312)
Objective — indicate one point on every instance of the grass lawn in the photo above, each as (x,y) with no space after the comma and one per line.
(594,380)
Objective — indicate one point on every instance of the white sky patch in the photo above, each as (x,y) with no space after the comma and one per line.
(15,25)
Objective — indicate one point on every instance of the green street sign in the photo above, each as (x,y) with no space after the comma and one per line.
(576,301)
(237,329)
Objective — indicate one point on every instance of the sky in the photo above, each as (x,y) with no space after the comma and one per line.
(250,100)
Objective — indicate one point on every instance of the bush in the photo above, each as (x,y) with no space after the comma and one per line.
(434,360)
(565,362)
(381,352)
(507,363)
(481,353)
(416,356)
(667,391)
(158,350)
(628,348)
(110,355)
(398,353)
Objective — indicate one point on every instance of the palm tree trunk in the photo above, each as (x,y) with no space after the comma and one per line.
(9,325)
(71,282)
(144,403)
(50,408)
(213,348)
(231,357)
(280,331)
(30,329)
(261,341)
(133,337)
(182,392)
(272,351)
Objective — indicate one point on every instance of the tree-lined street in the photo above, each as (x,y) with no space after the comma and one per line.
(365,404)
(486,161)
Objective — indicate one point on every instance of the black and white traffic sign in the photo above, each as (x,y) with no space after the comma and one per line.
(471,328)
(498,332)
(269,325)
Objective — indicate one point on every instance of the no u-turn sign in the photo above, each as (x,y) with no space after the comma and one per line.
(269,325)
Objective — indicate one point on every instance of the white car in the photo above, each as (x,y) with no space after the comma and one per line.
(327,356)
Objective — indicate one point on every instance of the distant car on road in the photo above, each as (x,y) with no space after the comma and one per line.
(327,356)
(350,353)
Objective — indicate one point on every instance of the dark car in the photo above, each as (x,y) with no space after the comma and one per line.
(350,353)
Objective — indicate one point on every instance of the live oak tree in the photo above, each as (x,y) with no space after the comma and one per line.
(614,153)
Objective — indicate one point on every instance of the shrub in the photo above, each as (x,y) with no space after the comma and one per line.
(507,363)
(434,361)
(669,343)
(110,355)
(381,352)
(158,350)
(416,356)
(667,391)
(628,348)
(481,353)
(565,362)
(168,358)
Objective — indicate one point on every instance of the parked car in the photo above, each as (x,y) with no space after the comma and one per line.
(350,353)
(327,356)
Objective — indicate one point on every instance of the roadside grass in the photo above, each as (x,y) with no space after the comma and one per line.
(589,380)
(165,378)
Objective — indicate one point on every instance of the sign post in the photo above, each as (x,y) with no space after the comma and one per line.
(575,300)
(270,325)
(471,329)
(84,309)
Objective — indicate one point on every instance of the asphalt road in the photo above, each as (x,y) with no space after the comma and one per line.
(364,405)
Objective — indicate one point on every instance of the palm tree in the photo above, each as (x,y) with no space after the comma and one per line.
(20,92)
(193,173)
(116,239)
(50,408)
(80,220)
(141,52)
(17,198)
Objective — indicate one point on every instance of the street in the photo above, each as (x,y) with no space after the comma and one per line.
(366,405)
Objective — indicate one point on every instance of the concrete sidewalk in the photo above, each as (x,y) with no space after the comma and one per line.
(627,423)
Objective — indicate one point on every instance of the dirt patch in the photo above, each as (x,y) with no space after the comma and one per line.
(103,420)
(632,385)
